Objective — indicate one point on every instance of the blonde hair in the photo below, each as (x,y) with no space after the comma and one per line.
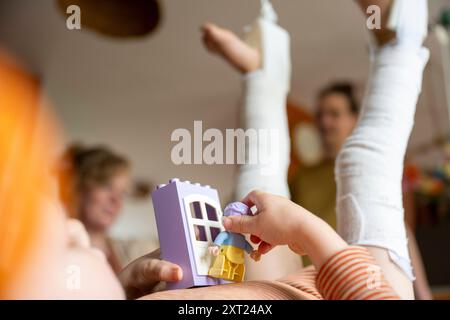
(85,167)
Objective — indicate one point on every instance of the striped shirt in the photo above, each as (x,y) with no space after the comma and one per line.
(351,274)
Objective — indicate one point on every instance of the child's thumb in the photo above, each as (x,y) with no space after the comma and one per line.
(240,224)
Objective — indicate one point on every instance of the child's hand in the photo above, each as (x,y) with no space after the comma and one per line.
(148,274)
(276,221)
(213,250)
(279,221)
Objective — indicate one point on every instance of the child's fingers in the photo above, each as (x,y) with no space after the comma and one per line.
(255,239)
(241,224)
(171,273)
(158,270)
(253,198)
(264,247)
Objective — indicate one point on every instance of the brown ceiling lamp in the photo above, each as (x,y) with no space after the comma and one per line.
(117,18)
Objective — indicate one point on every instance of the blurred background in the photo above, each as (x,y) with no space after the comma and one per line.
(131,92)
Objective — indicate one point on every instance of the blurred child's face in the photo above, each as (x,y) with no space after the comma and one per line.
(63,265)
(101,205)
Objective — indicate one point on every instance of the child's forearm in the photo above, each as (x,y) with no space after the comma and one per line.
(318,240)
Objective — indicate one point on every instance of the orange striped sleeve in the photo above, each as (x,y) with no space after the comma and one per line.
(353,274)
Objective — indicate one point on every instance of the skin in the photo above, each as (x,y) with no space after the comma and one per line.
(99,208)
(231,48)
(62,255)
(335,121)
(100,205)
(148,274)
(304,234)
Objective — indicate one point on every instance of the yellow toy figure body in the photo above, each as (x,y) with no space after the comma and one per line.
(229,249)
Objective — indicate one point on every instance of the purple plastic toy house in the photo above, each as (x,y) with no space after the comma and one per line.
(189,218)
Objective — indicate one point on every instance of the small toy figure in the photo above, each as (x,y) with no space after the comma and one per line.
(229,249)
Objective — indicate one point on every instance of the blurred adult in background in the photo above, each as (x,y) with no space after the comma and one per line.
(100,180)
(336,116)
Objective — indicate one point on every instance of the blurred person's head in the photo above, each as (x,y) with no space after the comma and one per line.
(42,254)
(337,114)
(100,181)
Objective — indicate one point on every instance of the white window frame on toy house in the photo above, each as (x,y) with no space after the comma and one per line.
(200,248)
